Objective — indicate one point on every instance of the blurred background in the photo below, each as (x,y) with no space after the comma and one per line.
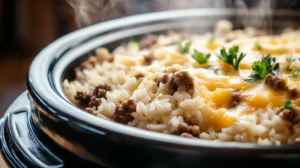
(27,26)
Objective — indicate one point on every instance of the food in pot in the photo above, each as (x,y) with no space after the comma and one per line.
(226,85)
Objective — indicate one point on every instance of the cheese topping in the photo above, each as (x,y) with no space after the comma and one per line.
(228,85)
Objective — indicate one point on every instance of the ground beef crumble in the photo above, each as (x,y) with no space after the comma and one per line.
(83,98)
(148,41)
(181,78)
(100,90)
(93,99)
(149,59)
(162,79)
(186,130)
(123,112)
(94,102)
(88,64)
(292,115)
(98,93)
(280,84)
(236,98)
(293,93)
(275,82)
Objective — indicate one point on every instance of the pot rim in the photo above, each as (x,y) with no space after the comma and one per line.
(40,87)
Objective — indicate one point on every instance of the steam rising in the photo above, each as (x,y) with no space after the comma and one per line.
(263,9)
(88,12)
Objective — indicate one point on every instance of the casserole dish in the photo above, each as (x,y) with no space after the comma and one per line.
(105,143)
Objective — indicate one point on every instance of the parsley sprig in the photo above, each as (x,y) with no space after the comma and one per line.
(231,57)
(200,57)
(267,65)
(287,105)
(258,46)
(296,72)
(133,40)
(288,68)
(184,48)
(289,60)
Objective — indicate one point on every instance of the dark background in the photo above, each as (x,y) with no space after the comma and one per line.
(27,26)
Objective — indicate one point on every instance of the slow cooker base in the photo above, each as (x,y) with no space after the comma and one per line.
(22,145)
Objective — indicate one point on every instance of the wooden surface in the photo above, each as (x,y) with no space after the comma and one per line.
(26,27)
(2,162)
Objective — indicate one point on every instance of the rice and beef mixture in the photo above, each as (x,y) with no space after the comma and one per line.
(226,85)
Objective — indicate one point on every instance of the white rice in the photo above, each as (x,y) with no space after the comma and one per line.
(158,111)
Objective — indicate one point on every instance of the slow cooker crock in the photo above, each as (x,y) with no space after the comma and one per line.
(65,134)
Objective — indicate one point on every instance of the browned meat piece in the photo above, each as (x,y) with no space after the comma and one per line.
(98,93)
(100,90)
(162,79)
(275,82)
(195,130)
(148,41)
(83,98)
(184,128)
(123,112)
(90,63)
(149,58)
(236,98)
(94,102)
(292,115)
(181,78)
(293,93)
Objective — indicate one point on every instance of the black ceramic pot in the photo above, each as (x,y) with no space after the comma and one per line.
(42,127)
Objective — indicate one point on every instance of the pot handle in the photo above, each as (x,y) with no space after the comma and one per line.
(19,146)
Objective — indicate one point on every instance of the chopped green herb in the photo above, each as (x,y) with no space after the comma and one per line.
(184,48)
(296,73)
(288,68)
(232,56)
(200,57)
(133,40)
(288,105)
(207,67)
(290,59)
(267,65)
(258,46)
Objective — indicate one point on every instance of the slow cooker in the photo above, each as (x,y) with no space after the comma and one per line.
(42,128)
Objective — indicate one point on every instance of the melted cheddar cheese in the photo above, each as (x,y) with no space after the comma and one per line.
(162,87)
(217,80)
